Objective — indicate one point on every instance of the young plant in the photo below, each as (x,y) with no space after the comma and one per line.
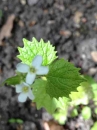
(42,77)
(52,83)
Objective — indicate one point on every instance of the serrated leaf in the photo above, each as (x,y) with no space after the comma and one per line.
(62,78)
(42,99)
(31,49)
(12,80)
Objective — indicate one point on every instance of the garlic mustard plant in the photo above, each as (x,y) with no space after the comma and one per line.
(33,70)
(57,78)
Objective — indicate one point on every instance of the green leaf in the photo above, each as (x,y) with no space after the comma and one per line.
(93,85)
(95,110)
(61,117)
(31,49)
(94,127)
(62,78)
(12,80)
(12,120)
(19,121)
(82,95)
(42,99)
(86,113)
(74,112)
(62,110)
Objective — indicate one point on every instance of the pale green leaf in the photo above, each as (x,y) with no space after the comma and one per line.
(86,113)
(74,113)
(94,127)
(93,85)
(82,95)
(62,110)
(33,48)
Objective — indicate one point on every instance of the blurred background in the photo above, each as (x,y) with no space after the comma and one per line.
(71,26)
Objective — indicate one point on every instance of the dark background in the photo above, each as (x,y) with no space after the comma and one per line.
(70,25)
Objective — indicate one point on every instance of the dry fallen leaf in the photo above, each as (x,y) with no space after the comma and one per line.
(65,33)
(94,56)
(19,127)
(32,23)
(92,71)
(33,104)
(5,31)
(77,16)
(21,23)
(46,126)
(52,125)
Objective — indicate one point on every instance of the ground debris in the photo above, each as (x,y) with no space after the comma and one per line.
(94,56)
(77,17)
(20,127)
(6,29)
(52,125)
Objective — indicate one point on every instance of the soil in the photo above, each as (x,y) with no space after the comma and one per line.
(70,25)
